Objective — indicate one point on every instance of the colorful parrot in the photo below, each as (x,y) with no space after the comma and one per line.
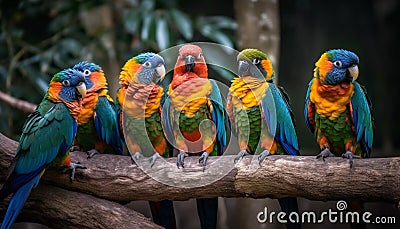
(46,138)
(139,102)
(261,115)
(192,99)
(337,109)
(97,123)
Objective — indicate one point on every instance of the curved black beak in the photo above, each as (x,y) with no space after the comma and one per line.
(189,63)
(243,68)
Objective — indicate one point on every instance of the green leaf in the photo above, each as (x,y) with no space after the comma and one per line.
(162,33)
(183,23)
(146,26)
(220,22)
(131,20)
(215,35)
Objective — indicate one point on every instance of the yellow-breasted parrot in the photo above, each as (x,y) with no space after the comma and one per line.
(46,138)
(97,123)
(337,109)
(261,115)
(139,102)
(192,99)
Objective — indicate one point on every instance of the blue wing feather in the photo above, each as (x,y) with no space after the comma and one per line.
(279,119)
(220,116)
(307,102)
(362,118)
(46,135)
(106,123)
(166,119)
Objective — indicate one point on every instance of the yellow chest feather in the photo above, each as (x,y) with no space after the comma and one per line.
(247,92)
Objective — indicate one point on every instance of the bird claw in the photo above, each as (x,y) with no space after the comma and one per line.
(349,155)
(180,160)
(240,155)
(325,153)
(262,156)
(73,167)
(135,157)
(91,153)
(154,158)
(74,148)
(203,160)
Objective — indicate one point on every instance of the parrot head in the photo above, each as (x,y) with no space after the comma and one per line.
(67,86)
(337,66)
(144,68)
(94,75)
(252,61)
(190,59)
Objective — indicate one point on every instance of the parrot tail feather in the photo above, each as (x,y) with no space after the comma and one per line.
(17,202)
(288,205)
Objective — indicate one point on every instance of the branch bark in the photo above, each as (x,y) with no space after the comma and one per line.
(115,178)
(22,105)
(60,208)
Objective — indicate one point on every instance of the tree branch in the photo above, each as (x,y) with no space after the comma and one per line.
(22,105)
(115,178)
(59,208)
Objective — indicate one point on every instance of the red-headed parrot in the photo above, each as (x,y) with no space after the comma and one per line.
(46,138)
(139,101)
(337,109)
(97,123)
(261,115)
(192,99)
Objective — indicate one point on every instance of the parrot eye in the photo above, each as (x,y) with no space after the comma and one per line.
(87,72)
(199,56)
(147,64)
(66,83)
(256,61)
(338,63)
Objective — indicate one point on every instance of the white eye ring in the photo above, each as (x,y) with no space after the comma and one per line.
(66,83)
(256,61)
(181,56)
(338,63)
(87,72)
(199,56)
(147,64)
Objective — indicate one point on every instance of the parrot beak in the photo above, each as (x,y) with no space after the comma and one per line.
(81,89)
(352,73)
(160,70)
(189,63)
(243,68)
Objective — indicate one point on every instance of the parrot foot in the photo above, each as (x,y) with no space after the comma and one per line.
(181,158)
(91,153)
(154,158)
(135,157)
(203,159)
(74,148)
(349,155)
(240,155)
(73,167)
(262,156)
(325,153)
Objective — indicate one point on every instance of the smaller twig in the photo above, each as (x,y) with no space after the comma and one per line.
(19,104)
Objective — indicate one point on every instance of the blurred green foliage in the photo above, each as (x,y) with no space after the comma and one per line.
(39,38)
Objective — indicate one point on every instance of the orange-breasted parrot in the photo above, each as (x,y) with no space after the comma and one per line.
(193,98)
(46,138)
(139,101)
(97,123)
(337,109)
(261,115)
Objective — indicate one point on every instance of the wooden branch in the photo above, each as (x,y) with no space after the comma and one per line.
(19,104)
(115,178)
(59,208)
